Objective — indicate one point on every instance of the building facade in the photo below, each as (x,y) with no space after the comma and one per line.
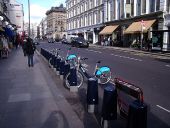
(43,28)
(33,29)
(100,19)
(7,27)
(85,18)
(56,22)
(16,14)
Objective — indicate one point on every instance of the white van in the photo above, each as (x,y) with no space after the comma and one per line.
(70,38)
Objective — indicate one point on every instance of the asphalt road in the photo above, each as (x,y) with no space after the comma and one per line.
(151,74)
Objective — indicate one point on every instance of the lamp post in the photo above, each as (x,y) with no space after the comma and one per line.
(29,18)
(142,29)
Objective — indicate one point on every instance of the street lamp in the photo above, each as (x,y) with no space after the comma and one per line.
(29,18)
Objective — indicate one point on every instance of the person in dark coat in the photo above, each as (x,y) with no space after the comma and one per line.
(30,48)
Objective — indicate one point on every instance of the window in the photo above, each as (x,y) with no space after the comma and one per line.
(90,4)
(109,9)
(94,3)
(122,9)
(132,8)
(81,8)
(86,21)
(95,18)
(143,6)
(138,7)
(152,5)
(127,1)
(101,1)
(157,5)
(168,6)
(85,7)
(78,10)
(101,16)
(89,19)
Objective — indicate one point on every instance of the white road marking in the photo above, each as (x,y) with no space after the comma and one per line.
(167,66)
(126,57)
(93,51)
(163,108)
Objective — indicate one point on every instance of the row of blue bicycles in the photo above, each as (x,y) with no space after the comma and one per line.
(101,73)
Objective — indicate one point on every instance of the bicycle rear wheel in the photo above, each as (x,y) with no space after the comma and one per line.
(80,80)
(104,77)
(49,62)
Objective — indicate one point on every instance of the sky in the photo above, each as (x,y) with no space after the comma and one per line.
(38,8)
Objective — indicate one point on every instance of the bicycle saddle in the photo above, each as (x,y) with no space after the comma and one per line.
(102,70)
(72,56)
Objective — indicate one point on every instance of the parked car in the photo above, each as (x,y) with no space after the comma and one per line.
(64,41)
(36,42)
(50,40)
(79,42)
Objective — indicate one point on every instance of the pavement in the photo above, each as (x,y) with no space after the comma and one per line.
(30,97)
(154,54)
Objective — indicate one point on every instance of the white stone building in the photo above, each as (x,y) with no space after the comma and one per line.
(43,28)
(117,18)
(16,14)
(85,18)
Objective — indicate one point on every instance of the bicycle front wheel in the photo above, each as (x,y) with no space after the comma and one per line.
(104,78)
(80,80)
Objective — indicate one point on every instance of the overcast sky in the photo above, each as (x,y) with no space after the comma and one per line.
(38,8)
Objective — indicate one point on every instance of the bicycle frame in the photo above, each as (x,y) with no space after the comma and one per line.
(83,70)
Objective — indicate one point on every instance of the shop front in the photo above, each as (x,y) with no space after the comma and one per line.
(138,34)
(108,34)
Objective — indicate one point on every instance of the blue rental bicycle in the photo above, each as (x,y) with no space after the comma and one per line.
(103,74)
(70,58)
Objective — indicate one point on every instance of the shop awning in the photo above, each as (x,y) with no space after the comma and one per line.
(108,30)
(135,27)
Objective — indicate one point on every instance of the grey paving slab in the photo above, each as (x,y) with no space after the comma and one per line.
(19,97)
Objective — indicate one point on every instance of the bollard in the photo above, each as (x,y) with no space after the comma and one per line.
(109,106)
(92,94)
(62,69)
(58,65)
(137,115)
(53,62)
(73,80)
(66,69)
(54,65)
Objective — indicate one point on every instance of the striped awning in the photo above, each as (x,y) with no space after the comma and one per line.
(108,30)
(136,27)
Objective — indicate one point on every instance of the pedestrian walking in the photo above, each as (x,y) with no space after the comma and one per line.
(30,48)
(17,41)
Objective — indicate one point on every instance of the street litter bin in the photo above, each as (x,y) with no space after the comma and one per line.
(109,106)
(92,94)
(137,115)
